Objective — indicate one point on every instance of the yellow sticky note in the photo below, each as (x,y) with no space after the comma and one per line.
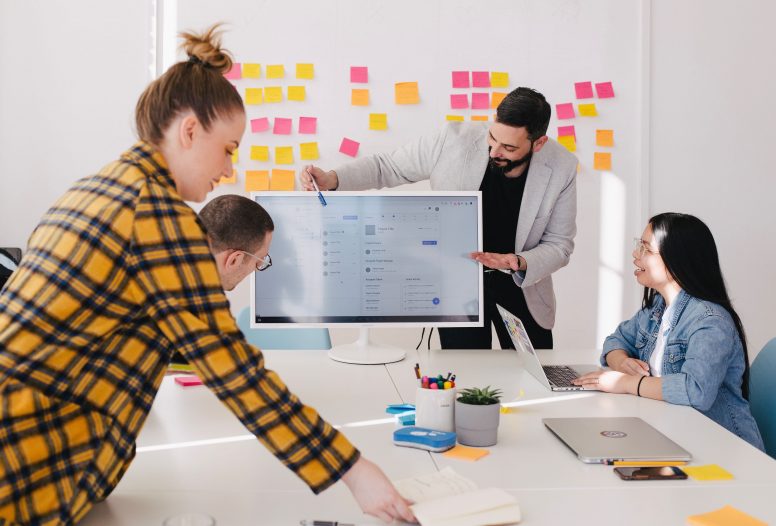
(604,137)
(602,161)
(708,472)
(587,110)
(260,153)
(407,93)
(305,71)
(466,453)
(256,180)
(282,180)
(296,93)
(359,97)
(229,180)
(378,121)
(235,156)
(725,516)
(569,142)
(308,151)
(454,118)
(495,98)
(284,154)
(251,71)
(253,96)
(507,410)
(276,71)
(273,94)
(479,117)
(499,79)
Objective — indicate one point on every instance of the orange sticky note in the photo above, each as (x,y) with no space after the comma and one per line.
(253,96)
(587,110)
(256,180)
(260,153)
(229,180)
(251,71)
(359,97)
(276,71)
(499,79)
(602,161)
(378,121)
(479,117)
(407,93)
(273,94)
(308,151)
(569,142)
(708,472)
(725,516)
(282,180)
(466,453)
(305,71)
(454,118)
(296,93)
(284,154)
(495,98)
(604,137)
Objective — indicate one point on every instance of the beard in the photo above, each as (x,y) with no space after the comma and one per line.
(504,166)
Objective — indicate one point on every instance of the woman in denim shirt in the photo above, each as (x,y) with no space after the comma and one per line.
(686,345)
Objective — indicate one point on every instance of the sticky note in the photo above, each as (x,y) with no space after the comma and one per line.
(296,93)
(584,90)
(565,110)
(708,472)
(308,151)
(229,180)
(260,153)
(308,125)
(235,73)
(459,101)
(460,79)
(188,380)
(359,74)
(604,90)
(253,96)
(569,141)
(273,94)
(496,97)
(378,121)
(480,79)
(305,71)
(567,130)
(406,93)
(587,110)
(725,516)
(282,180)
(602,161)
(276,71)
(259,125)
(604,137)
(480,101)
(235,156)
(349,147)
(466,453)
(284,155)
(251,71)
(454,118)
(479,117)
(256,180)
(359,97)
(282,126)
(499,79)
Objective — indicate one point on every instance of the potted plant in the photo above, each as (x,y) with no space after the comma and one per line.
(477,413)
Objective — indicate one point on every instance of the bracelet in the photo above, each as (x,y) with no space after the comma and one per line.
(638,387)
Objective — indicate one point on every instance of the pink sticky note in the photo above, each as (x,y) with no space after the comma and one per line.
(259,125)
(359,74)
(349,147)
(584,90)
(235,73)
(604,90)
(459,101)
(565,111)
(282,126)
(460,79)
(567,130)
(480,79)
(480,101)
(308,124)
(187,381)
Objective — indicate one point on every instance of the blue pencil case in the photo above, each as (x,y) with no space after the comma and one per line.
(423,438)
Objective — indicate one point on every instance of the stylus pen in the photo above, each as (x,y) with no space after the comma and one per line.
(315,185)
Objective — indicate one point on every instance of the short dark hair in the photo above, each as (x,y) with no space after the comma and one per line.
(235,222)
(525,108)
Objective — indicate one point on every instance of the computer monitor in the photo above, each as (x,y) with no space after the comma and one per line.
(370,259)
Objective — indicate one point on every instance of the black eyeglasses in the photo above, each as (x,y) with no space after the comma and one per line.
(263,264)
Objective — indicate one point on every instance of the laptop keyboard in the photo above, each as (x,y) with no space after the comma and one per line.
(560,375)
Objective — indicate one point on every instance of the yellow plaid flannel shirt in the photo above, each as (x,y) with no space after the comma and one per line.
(118,275)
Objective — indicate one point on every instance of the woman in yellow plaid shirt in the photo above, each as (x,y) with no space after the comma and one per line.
(116,276)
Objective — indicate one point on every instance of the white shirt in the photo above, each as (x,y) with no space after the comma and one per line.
(656,358)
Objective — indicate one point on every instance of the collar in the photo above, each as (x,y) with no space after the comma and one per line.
(681,301)
(150,161)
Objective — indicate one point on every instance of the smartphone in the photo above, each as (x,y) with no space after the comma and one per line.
(651,473)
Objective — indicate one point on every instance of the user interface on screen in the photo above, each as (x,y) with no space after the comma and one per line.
(370,258)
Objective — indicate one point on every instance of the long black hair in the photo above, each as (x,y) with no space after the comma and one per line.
(690,255)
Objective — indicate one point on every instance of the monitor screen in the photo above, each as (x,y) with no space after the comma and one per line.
(371,259)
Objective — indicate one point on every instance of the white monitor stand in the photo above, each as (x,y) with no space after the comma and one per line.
(366,352)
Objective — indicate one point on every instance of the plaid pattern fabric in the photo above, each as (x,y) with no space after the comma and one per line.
(117,276)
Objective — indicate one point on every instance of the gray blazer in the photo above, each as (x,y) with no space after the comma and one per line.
(455,158)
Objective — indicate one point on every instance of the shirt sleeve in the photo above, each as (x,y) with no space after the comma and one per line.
(624,337)
(179,289)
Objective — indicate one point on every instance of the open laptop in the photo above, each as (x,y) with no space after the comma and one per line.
(608,440)
(555,377)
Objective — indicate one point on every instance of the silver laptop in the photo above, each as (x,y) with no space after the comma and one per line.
(555,377)
(608,440)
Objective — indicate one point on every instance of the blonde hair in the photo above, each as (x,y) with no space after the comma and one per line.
(197,84)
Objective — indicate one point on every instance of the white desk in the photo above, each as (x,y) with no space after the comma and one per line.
(240,483)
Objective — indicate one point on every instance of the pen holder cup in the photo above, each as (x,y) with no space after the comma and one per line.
(435,409)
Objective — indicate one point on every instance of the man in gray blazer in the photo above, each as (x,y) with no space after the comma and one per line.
(528,185)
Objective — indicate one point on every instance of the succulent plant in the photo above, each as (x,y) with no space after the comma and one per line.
(479,396)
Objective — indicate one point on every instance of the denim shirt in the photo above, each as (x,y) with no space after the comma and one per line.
(703,363)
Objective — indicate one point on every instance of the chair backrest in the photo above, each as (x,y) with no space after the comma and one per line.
(762,394)
(291,338)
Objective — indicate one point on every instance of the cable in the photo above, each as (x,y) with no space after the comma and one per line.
(428,344)
(421,339)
